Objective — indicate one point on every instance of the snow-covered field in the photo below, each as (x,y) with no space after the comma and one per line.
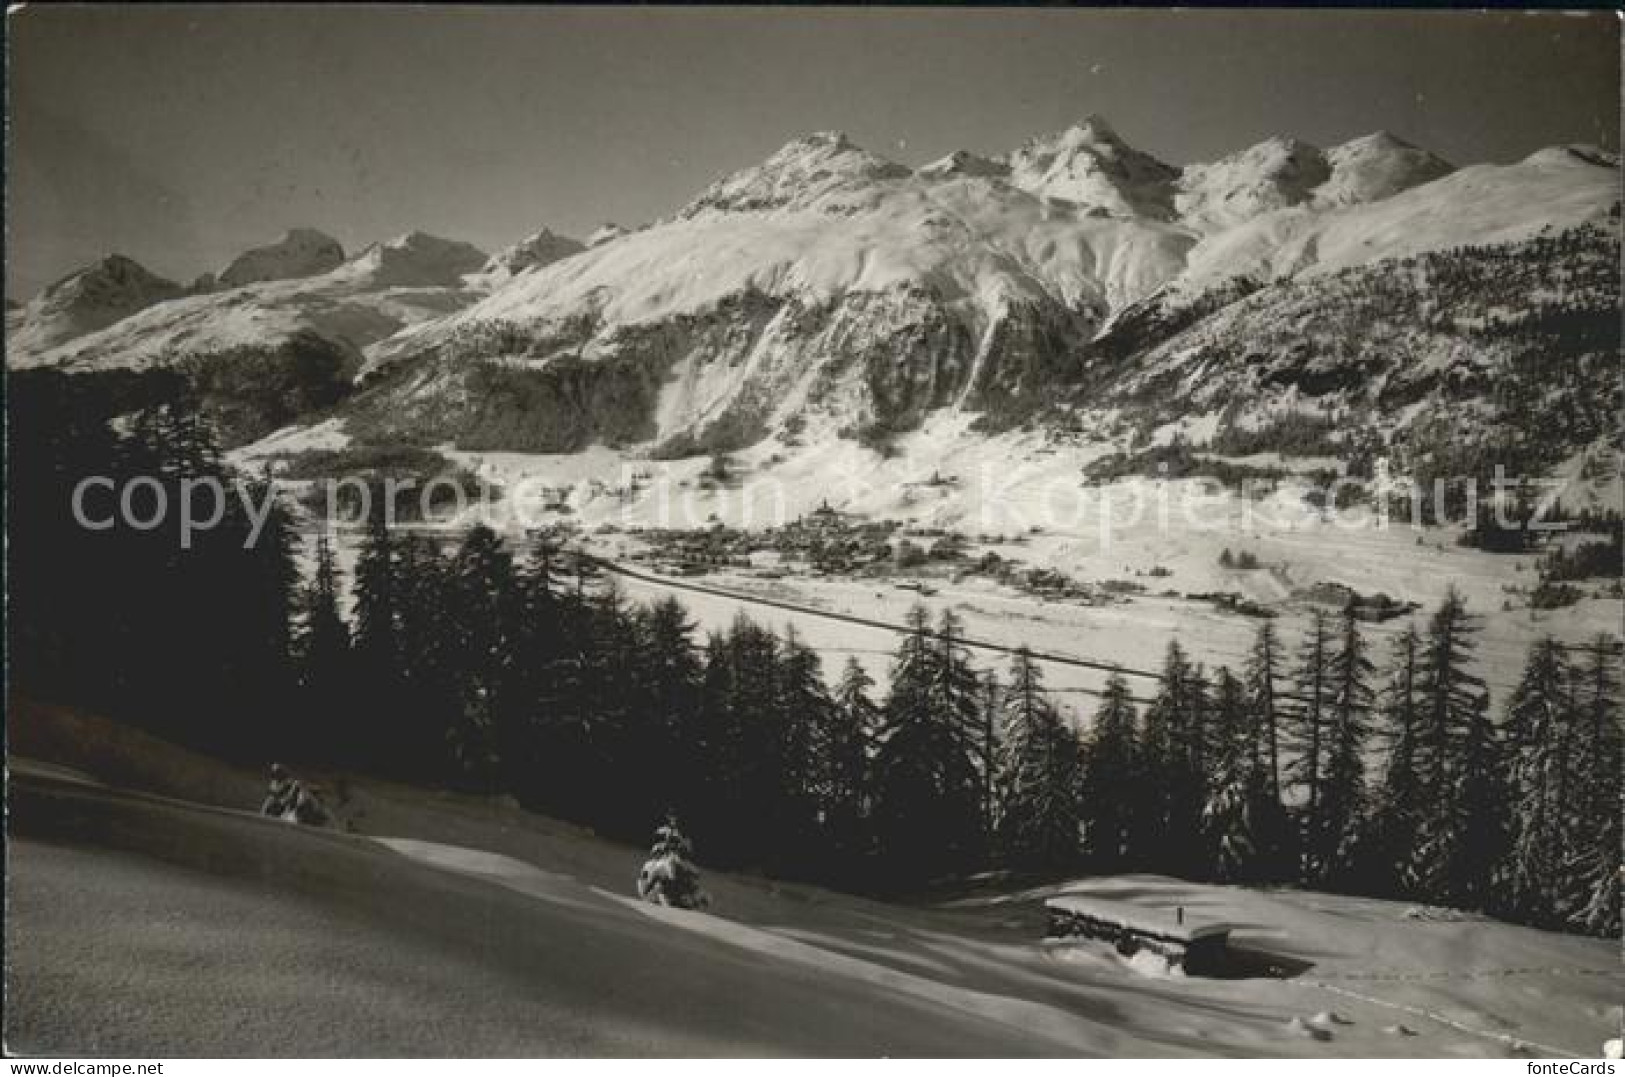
(155,916)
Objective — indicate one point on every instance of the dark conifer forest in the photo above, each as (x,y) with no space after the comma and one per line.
(480,665)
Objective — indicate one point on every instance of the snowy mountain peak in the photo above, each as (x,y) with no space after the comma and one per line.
(419,240)
(1094,128)
(102,293)
(1274,174)
(831,139)
(1572,155)
(416,259)
(963,163)
(111,282)
(1386,141)
(1088,163)
(605,233)
(1275,155)
(1378,166)
(543,248)
(797,176)
(301,252)
(116,271)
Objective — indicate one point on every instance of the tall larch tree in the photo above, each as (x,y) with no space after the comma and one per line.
(845,741)
(1170,831)
(1238,787)
(323,647)
(1460,828)
(1114,789)
(1398,801)
(928,781)
(1263,674)
(1590,874)
(481,606)
(1041,776)
(1337,825)
(1308,721)
(1539,739)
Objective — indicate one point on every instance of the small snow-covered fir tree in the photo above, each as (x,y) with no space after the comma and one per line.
(669,876)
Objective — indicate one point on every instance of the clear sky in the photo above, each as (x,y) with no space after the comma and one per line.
(182,135)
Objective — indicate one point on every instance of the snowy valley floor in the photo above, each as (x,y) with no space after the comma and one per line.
(151,914)
(1019,495)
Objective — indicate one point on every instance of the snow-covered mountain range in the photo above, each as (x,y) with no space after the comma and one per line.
(351,305)
(830,292)
(89,299)
(302,252)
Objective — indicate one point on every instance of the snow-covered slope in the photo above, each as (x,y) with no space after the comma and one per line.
(459,925)
(97,296)
(301,252)
(1472,316)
